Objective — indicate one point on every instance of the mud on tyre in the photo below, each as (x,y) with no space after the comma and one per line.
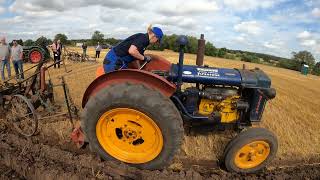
(250,151)
(133,124)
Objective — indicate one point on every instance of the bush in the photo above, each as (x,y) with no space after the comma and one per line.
(249,58)
(230,56)
(316,69)
(210,50)
(290,64)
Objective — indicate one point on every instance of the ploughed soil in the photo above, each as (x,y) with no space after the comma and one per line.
(51,155)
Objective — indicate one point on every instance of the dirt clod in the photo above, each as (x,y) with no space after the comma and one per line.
(51,155)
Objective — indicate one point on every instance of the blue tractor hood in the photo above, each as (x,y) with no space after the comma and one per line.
(221,76)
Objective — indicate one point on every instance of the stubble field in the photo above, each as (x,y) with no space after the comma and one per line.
(293,116)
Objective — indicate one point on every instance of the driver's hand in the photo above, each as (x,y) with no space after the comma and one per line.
(147,58)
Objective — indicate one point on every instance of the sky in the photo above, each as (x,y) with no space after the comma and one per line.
(276,27)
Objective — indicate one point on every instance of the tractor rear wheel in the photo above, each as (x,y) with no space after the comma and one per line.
(250,151)
(36,55)
(133,124)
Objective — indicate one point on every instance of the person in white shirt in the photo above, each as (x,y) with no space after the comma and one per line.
(16,59)
(98,50)
(4,57)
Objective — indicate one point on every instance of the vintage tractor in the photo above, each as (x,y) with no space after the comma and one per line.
(139,116)
(35,54)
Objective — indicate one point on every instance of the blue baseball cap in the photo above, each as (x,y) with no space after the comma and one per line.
(158,32)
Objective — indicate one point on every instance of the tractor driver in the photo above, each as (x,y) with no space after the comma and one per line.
(131,49)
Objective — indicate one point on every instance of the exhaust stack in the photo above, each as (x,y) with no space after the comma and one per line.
(201,49)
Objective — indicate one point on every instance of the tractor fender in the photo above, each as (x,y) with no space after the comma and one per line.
(133,76)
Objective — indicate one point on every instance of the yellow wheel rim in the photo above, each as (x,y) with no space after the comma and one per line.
(252,155)
(129,135)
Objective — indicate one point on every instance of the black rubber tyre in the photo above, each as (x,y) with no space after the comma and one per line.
(247,137)
(39,59)
(150,102)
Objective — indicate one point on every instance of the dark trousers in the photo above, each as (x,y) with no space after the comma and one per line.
(18,68)
(56,57)
(97,54)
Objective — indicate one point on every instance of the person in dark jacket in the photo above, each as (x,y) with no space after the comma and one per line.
(98,50)
(131,49)
(57,50)
(84,49)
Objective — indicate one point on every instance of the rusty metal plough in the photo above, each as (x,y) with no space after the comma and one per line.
(76,56)
(21,101)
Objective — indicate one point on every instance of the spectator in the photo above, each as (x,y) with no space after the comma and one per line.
(16,58)
(4,57)
(57,50)
(98,50)
(84,48)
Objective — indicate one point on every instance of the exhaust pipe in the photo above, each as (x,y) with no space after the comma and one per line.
(201,49)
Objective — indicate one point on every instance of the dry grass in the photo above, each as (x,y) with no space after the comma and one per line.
(293,115)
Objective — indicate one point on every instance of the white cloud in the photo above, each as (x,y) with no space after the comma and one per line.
(270,45)
(64,5)
(275,44)
(187,7)
(316,12)
(178,21)
(122,29)
(246,5)
(304,35)
(309,42)
(226,23)
(307,39)
(240,39)
(209,28)
(249,27)
(2,10)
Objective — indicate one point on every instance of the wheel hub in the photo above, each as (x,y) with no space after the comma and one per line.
(252,154)
(129,135)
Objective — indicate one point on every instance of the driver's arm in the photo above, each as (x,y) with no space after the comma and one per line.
(135,64)
(133,51)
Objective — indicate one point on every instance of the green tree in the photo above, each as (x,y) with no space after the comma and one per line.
(249,57)
(222,52)
(316,69)
(97,37)
(192,46)
(230,56)
(290,64)
(171,40)
(28,42)
(62,37)
(304,57)
(43,41)
(210,50)
(112,41)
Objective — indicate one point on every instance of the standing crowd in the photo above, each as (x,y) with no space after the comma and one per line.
(12,54)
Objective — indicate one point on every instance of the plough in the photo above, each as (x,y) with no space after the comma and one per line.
(76,56)
(22,100)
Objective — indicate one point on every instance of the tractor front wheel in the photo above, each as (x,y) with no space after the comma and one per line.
(133,124)
(250,151)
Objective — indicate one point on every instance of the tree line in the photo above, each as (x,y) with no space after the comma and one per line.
(169,42)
